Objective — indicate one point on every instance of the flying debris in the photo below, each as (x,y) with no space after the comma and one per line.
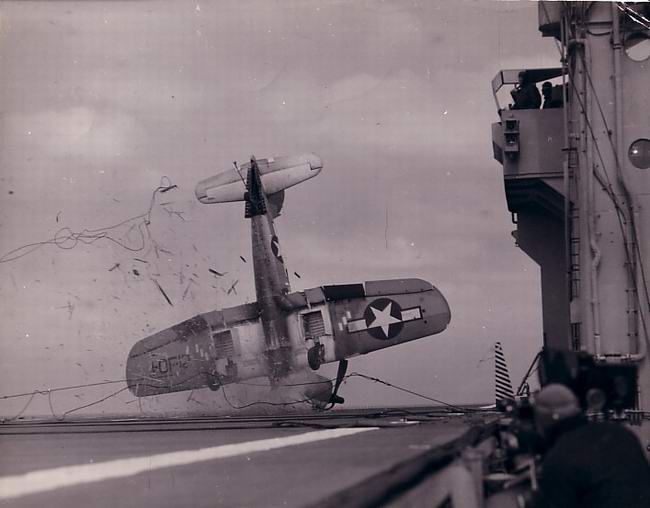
(67,239)
(232,287)
(69,307)
(243,259)
(219,274)
(297,275)
(284,335)
(163,292)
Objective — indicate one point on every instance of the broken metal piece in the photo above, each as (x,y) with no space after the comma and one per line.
(163,292)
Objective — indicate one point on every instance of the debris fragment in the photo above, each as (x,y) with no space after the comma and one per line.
(219,274)
(232,287)
(163,292)
(57,216)
(141,260)
(116,265)
(70,309)
(242,258)
(171,212)
(187,289)
(136,273)
(166,189)
(297,274)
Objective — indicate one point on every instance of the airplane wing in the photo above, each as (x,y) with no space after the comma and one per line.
(325,324)
(389,313)
(343,321)
(198,352)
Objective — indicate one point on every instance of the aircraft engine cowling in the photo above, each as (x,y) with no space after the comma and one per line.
(277,174)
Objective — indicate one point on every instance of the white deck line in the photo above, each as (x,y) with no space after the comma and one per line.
(68,476)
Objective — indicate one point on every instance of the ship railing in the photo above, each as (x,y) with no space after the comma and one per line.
(449,475)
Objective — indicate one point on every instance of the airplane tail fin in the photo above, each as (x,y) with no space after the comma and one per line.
(502,385)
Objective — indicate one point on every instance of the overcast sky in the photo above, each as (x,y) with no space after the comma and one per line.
(101,100)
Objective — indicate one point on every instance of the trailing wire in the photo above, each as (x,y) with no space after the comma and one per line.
(306,383)
(66,413)
(260,402)
(29,401)
(437,401)
(63,388)
(227,399)
(369,378)
(49,393)
(67,239)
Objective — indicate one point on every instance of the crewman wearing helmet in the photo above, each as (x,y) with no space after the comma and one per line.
(588,464)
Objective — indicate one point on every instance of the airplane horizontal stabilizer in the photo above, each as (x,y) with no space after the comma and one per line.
(276,174)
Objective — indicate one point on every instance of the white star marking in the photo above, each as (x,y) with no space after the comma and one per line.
(383,319)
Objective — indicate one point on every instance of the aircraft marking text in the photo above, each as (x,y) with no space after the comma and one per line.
(165,366)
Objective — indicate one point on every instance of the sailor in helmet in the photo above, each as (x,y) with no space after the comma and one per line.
(588,464)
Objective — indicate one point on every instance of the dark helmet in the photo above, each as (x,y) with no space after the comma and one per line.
(553,404)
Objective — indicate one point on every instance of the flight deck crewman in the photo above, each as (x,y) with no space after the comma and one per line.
(595,465)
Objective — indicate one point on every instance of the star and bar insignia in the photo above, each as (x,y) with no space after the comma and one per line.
(384,319)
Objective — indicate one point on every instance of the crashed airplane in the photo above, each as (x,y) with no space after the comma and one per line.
(284,336)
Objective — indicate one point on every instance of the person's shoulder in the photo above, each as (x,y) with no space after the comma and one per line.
(609,426)
(612,432)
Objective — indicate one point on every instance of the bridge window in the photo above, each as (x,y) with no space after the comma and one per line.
(637,46)
(639,153)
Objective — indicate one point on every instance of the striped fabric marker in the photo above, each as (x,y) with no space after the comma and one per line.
(502,384)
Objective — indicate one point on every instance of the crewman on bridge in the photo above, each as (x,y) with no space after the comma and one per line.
(549,100)
(588,464)
(525,93)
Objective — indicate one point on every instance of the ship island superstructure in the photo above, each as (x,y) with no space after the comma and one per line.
(577,183)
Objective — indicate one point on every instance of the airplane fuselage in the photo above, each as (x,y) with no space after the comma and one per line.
(281,334)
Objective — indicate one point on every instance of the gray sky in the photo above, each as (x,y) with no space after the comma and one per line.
(100,100)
